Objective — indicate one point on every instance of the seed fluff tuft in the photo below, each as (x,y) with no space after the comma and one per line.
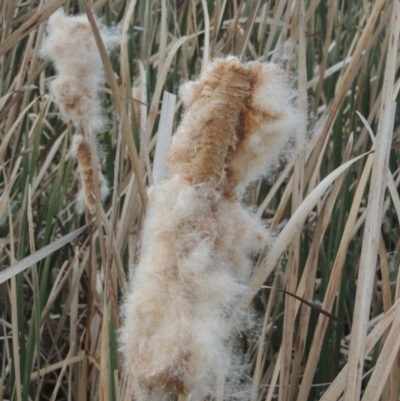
(71,46)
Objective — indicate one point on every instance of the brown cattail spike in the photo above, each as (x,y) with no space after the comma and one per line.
(82,150)
(208,129)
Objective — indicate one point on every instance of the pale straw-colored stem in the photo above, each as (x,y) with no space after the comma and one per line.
(373,220)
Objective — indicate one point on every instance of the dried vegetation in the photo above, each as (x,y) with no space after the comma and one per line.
(336,227)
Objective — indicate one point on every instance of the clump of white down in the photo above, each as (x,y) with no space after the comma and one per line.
(198,242)
(71,46)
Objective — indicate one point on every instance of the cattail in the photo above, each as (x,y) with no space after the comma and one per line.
(198,240)
(211,125)
(240,116)
(82,150)
(71,46)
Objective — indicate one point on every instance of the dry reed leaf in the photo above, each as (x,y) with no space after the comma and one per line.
(396,145)
(310,278)
(362,47)
(9,134)
(46,164)
(336,388)
(308,15)
(291,228)
(322,67)
(367,126)
(56,290)
(118,104)
(60,376)
(206,50)
(58,365)
(17,96)
(15,343)
(273,26)
(289,186)
(73,330)
(67,305)
(360,51)
(83,378)
(330,202)
(4,99)
(163,36)
(39,255)
(307,282)
(99,182)
(282,204)
(384,267)
(294,247)
(384,363)
(333,284)
(125,73)
(42,14)
(19,160)
(164,137)
(374,218)
(14,313)
(143,100)
(128,214)
(394,193)
(216,24)
(115,251)
(114,204)
(275,376)
(5,198)
(104,351)
(328,72)
(241,46)
(257,375)
(277,184)
(160,82)
(390,180)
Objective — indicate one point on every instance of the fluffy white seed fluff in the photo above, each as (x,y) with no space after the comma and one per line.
(198,239)
(71,46)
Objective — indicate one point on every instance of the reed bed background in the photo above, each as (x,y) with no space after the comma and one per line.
(62,281)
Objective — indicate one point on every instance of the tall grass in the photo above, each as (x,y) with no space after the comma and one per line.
(61,282)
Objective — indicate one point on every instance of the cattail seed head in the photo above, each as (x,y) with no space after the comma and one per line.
(71,46)
(209,127)
(198,240)
(82,151)
(238,119)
